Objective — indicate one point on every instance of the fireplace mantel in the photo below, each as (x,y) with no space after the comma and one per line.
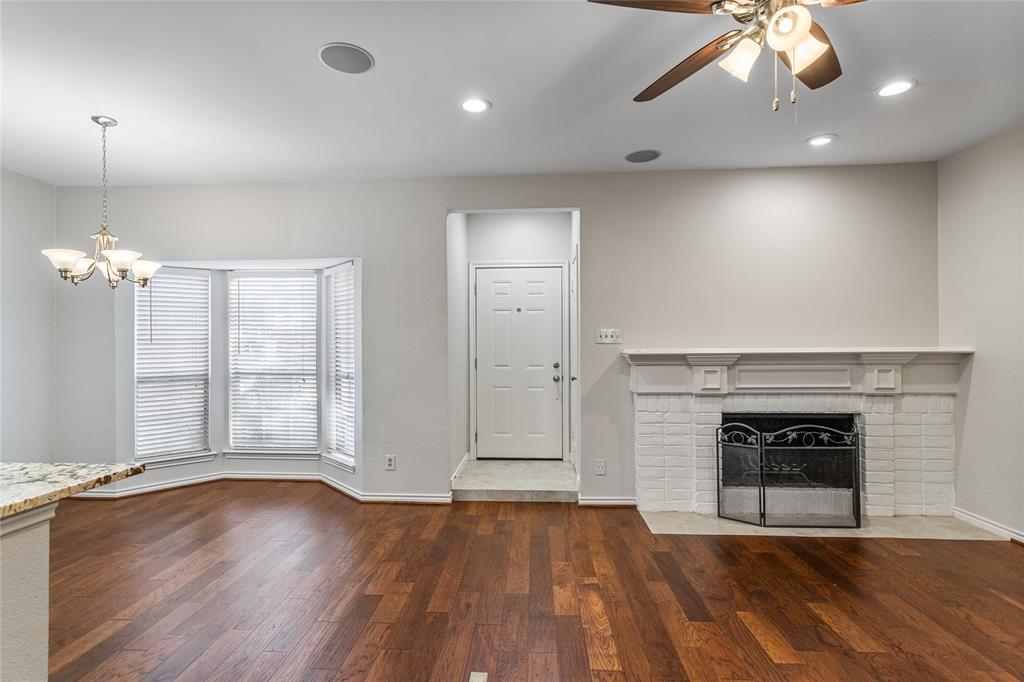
(868,370)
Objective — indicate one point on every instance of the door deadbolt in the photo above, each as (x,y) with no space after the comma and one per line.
(557,365)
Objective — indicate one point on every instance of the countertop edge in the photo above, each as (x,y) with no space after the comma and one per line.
(30,503)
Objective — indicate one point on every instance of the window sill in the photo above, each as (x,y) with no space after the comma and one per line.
(273,454)
(343,462)
(159,462)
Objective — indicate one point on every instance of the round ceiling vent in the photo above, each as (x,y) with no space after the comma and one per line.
(346,58)
(643,156)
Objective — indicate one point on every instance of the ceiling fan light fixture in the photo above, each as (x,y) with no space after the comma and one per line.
(807,52)
(740,61)
(788,27)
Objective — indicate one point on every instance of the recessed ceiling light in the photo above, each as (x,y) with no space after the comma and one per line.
(346,58)
(474,105)
(822,140)
(643,155)
(896,88)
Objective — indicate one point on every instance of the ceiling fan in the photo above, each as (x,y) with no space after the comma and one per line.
(785,25)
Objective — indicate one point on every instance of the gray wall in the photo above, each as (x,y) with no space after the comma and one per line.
(780,257)
(981,304)
(27,283)
(458,340)
(523,236)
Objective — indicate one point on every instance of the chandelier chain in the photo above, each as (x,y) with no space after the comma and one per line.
(103,222)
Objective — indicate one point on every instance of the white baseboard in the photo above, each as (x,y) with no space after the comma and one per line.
(607,501)
(117,493)
(439,498)
(403,498)
(269,476)
(342,488)
(462,463)
(991,526)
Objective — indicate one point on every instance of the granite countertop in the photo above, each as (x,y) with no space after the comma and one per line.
(27,485)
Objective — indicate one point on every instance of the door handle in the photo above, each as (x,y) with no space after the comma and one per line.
(556,378)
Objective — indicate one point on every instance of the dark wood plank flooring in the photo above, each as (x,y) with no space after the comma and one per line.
(247,580)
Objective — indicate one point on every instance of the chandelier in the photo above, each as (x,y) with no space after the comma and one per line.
(113,263)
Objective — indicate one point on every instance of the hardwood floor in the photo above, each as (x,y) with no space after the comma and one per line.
(245,580)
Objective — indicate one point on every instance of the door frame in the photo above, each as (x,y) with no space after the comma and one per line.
(563,267)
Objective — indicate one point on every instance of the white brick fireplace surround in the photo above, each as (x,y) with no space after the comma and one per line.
(903,399)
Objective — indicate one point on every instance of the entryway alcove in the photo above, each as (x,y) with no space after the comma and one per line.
(513,354)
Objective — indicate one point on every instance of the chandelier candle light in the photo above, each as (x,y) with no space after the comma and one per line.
(113,263)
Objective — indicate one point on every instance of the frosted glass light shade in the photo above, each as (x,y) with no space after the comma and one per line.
(105,270)
(788,27)
(63,259)
(145,269)
(121,259)
(739,62)
(82,267)
(807,52)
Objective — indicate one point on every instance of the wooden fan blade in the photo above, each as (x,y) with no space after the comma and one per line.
(686,68)
(687,6)
(839,3)
(825,68)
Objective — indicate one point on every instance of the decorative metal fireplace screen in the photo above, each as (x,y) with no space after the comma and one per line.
(789,470)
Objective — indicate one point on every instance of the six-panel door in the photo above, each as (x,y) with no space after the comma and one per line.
(519,362)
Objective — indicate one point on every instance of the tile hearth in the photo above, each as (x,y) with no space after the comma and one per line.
(910,527)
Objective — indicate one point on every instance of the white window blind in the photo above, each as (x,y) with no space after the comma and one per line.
(341,359)
(172,365)
(273,361)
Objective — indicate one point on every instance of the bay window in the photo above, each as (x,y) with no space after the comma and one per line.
(261,362)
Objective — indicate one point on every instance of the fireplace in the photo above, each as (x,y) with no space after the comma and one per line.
(796,470)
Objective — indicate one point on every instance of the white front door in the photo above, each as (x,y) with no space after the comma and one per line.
(519,362)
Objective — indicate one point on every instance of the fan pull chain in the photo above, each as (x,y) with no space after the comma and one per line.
(792,94)
(775,102)
(792,60)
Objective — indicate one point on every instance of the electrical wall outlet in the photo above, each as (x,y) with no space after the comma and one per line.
(605,335)
(389,462)
(600,467)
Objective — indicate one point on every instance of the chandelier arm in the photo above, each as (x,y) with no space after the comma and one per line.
(81,278)
(142,281)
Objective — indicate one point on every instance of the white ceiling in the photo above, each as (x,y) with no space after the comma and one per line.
(229,92)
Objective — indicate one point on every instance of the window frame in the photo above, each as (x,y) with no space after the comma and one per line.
(208,449)
(229,446)
(219,387)
(347,460)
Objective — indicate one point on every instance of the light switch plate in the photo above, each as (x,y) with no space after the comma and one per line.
(605,335)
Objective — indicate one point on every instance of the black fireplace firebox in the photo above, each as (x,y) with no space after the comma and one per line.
(793,470)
